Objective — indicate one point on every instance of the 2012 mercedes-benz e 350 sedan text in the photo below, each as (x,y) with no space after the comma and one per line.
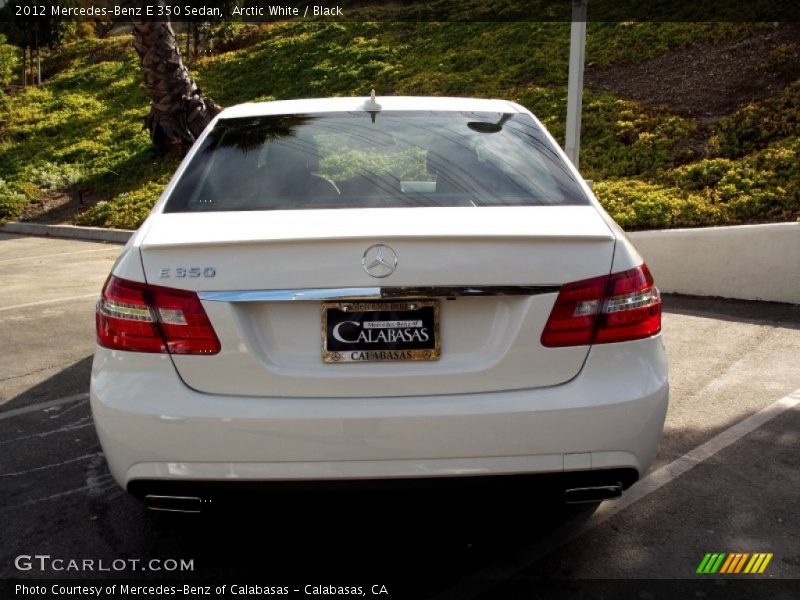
(355,291)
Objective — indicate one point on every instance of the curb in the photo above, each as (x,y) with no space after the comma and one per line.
(98,234)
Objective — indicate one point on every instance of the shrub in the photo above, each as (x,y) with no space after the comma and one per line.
(764,186)
(621,139)
(126,211)
(700,175)
(53,177)
(12,201)
(639,205)
(8,61)
(760,188)
(757,125)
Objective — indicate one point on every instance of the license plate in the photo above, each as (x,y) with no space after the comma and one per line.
(380,331)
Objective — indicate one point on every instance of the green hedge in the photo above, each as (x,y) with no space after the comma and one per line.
(125,211)
(762,187)
(8,61)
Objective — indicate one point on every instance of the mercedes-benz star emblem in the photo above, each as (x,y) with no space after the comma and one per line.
(379,260)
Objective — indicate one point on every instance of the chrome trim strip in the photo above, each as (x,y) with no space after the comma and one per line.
(460,291)
(376,293)
(373,293)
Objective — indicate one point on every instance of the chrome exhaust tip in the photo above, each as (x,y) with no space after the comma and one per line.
(177,504)
(592,494)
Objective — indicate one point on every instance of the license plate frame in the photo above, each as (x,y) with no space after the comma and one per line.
(420,317)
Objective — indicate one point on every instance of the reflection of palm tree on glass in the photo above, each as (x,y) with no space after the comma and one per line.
(247,135)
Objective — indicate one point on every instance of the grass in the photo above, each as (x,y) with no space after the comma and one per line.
(83,129)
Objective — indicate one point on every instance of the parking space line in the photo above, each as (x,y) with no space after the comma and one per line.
(7,414)
(94,487)
(50,466)
(85,488)
(482,581)
(58,254)
(74,426)
(53,301)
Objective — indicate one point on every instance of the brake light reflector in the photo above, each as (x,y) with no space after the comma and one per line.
(615,308)
(147,318)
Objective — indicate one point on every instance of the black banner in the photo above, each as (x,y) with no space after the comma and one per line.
(398,10)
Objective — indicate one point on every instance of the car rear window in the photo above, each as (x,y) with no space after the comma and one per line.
(370,160)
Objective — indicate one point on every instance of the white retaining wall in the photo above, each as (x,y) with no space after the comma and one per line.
(751,262)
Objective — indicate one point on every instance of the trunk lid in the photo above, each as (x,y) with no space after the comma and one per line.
(273,347)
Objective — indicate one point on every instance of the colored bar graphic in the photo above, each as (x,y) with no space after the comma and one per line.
(711,561)
(741,562)
(727,564)
(751,564)
(757,565)
(703,563)
(764,564)
(716,562)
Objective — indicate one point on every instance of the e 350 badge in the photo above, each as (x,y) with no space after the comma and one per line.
(165,272)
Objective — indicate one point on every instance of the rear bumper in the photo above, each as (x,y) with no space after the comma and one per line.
(153,428)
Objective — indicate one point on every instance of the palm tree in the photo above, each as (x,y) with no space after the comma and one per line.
(178,110)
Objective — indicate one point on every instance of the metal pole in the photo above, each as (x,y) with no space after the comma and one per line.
(577,54)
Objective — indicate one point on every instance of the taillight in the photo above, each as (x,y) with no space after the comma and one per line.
(613,308)
(149,318)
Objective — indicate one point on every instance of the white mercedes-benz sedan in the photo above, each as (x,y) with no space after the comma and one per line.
(353,291)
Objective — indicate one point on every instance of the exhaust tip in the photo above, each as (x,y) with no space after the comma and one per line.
(177,504)
(592,494)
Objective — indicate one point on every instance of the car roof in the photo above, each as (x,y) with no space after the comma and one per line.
(404,103)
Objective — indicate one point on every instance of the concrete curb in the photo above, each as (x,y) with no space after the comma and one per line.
(74,232)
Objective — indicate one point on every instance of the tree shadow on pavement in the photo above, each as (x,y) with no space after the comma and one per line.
(69,381)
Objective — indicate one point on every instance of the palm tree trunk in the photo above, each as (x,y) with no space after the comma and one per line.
(178,110)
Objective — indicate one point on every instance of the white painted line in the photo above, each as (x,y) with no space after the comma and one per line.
(50,466)
(691,459)
(74,426)
(57,413)
(479,583)
(15,412)
(59,254)
(53,301)
(94,489)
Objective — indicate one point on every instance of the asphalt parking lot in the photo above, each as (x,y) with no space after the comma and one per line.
(726,478)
